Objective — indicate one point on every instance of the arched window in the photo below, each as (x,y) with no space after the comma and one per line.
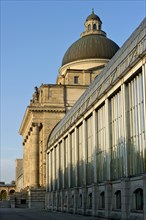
(72,201)
(65,201)
(102,200)
(12,191)
(89,27)
(138,199)
(3,195)
(90,200)
(94,26)
(118,199)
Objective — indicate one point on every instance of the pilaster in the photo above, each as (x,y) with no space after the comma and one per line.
(76,157)
(108,198)
(144,196)
(107,141)
(125,185)
(69,161)
(94,129)
(35,156)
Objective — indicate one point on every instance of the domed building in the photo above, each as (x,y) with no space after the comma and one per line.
(81,63)
(92,50)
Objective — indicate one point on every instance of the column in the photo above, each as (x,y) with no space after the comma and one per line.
(144,104)
(107,140)
(144,196)
(50,172)
(53,167)
(84,152)
(63,164)
(108,198)
(28,161)
(125,199)
(69,161)
(35,156)
(58,167)
(124,129)
(24,164)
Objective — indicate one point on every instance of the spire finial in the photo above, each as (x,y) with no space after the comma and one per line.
(92,10)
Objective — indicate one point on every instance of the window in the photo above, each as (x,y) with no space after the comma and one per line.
(89,27)
(23,201)
(116,136)
(101,145)
(135,124)
(65,201)
(138,199)
(102,200)
(118,199)
(76,79)
(94,26)
(72,201)
(90,200)
(90,151)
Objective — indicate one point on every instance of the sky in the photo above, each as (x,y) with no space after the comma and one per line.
(34,38)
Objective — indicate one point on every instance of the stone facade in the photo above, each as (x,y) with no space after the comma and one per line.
(49,104)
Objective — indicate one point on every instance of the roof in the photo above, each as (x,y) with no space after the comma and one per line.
(94,46)
(93,16)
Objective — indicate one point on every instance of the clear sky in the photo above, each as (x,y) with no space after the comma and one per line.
(34,37)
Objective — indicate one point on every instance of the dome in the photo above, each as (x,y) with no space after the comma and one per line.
(93,43)
(93,17)
(93,46)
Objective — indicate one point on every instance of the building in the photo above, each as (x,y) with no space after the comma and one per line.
(96,155)
(80,65)
(93,136)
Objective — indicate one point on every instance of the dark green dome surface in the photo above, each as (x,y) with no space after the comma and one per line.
(94,46)
(93,17)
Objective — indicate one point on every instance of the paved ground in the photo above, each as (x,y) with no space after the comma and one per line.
(35,214)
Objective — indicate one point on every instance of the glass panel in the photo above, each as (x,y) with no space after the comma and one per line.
(135,125)
(116,138)
(72,143)
(90,170)
(101,147)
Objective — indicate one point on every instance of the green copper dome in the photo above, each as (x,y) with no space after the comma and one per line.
(90,47)
(92,17)
(93,43)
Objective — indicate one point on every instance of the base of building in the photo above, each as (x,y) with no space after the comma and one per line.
(122,199)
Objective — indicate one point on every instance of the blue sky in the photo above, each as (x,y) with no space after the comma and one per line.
(34,37)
